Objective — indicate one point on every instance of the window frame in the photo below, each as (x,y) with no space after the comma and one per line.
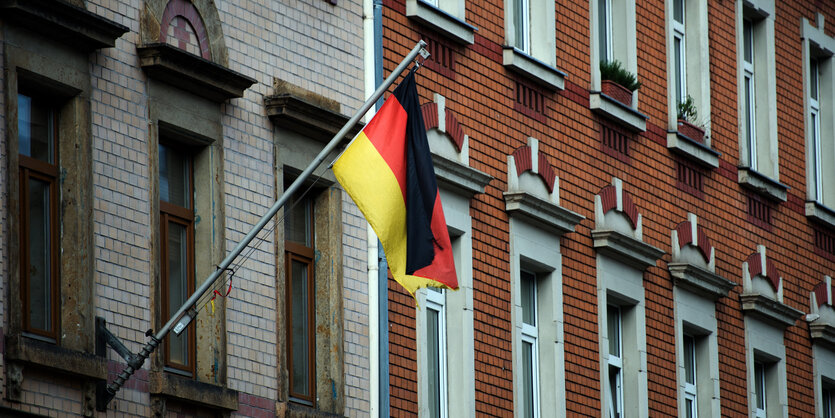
(604,30)
(749,87)
(436,301)
(760,390)
(828,398)
(295,251)
(814,125)
(679,54)
(615,361)
(530,335)
(522,25)
(184,216)
(690,390)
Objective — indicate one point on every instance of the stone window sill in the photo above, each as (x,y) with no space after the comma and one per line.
(617,111)
(193,391)
(530,67)
(454,28)
(769,310)
(27,350)
(821,213)
(762,184)
(692,150)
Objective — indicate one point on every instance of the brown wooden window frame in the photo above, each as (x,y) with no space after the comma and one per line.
(294,251)
(32,168)
(171,213)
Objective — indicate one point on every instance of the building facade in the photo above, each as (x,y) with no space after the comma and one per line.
(141,140)
(613,261)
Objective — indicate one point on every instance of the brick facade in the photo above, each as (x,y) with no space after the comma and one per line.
(483,95)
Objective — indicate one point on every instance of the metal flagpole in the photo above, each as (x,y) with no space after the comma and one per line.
(186,313)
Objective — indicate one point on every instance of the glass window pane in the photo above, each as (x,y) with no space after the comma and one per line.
(614,391)
(433,353)
(174,177)
(297,221)
(603,28)
(301,324)
(34,129)
(679,63)
(829,402)
(748,41)
(528,288)
(759,384)
(613,322)
(689,408)
(689,359)
(527,379)
(678,11)
(813,78)
(40,274)
(178,290)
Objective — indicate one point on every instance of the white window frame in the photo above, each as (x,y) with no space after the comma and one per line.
(680,54)
(604,30)
(814,125)
(690,392)
(749,87)
(760,392)
(828,400)
(696,317)
(764,343)
(522,25)
(615,361)
(436,301)
(530,335)
(818,50)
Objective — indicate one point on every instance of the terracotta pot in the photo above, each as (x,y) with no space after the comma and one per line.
(617,92)
(691,131)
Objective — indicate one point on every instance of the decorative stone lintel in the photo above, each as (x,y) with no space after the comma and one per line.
(542,213)
(692,150)
(625,248)
(700,281)
(617,111)
(769,310)
(762,184)
(454,28)
(175,387)
(821,213)
(53,357)
(823,333)
(465,180)
(310,119)
(63,22)
(530,67)
(192,73)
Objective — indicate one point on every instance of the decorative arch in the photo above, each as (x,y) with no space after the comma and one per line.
(613,197)
(759,267)
(528,158)
(201,15)
(437,116)
(689,233)
(823,293)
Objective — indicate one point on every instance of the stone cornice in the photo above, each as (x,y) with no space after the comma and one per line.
(700,281)
(769,310)
(541,212)
(463,179)
(625,248)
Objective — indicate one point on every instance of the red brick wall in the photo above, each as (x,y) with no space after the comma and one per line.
(481,95)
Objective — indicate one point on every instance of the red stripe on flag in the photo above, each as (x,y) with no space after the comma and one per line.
(386,131)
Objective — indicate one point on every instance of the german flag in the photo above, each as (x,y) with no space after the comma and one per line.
(388,172)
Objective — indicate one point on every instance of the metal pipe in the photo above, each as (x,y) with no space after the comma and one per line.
(112,388)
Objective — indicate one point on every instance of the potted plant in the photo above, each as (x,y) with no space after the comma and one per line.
(687,116)
(618,83)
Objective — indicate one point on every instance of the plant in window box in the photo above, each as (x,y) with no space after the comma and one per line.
(618,83)
(687,117)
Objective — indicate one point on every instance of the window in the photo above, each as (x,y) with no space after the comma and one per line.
(757,99)
(522,25)
(39,250)
(679,46)
(818,49)
(760,403)
(615,360)
(436,344)
(530,347)
(604,28)
(690,392)
(177,250)
(448,17)
(749,87)
(299,256)
(530,42)
(828,398)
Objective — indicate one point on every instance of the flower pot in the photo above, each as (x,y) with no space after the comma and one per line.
(617,92)
(691,131)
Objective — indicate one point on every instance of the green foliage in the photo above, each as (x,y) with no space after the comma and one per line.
(687,110)
(613,71)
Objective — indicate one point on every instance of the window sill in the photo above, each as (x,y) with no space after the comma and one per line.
(191,73)
(700,281)
(625,248)
(617,111)
(465,180)
(64,22)
(528,66)
(820,213)
(192,391)
(294,410)
(692,150)
(53,357)
(769,310)
(762,184)
(453,27)
(545,214)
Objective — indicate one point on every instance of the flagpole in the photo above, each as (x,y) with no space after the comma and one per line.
(185,314)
